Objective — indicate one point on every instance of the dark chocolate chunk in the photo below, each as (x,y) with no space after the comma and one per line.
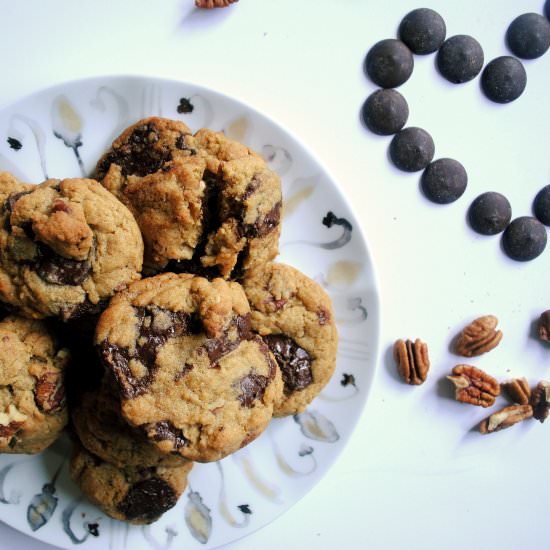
(57,270)
(14,143)
(423,30)
(412,149)
(263,227)
(137,157)
(294,362)
(444,181)
(541,205)
(166,431)
(12,199)
(389,63)
(252,388)
(148,500)
(460,58)
(385,112)
(503,79)
(216,348)
(185,105)
(524,239)
(528,36)
(490,213)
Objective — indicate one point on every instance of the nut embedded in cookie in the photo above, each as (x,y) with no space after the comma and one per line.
(474,386)
(32,388)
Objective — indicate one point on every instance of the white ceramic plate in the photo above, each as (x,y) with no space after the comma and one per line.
(61,132)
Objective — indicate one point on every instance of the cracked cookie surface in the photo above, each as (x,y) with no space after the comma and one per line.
(190,373)
(293,315)
(205,204)
(33,411)
(65,245)
(133,494)
(101,430)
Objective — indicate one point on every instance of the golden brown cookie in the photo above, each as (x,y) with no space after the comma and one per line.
(102,431)
(190,372)
(136,495)
(65,246)
(32,392)
(293,315)
(205,204)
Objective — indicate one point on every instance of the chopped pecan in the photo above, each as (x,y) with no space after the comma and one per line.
(505,418)
(474,386)
(519,391)
(412,360)
(209,4)
(10,421)
(479,337)
(49,392)
(544,326)
(540,401)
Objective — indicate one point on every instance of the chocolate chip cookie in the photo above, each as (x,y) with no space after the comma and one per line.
(205,204)
(134,494)
(293,315)
(102,431)
(190,372)
(32,392)
(64,247)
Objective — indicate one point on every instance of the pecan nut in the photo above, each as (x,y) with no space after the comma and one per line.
(412,360)
(10,421)
(518,390)
(49,392)
(479,337)
(540,401)
(505,418)
(474,386)
(209,4)
(544,326)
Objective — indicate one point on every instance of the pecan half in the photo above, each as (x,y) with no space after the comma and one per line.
(505,418)
(479,337)
(518,390)
(412,360)
(474,386)
(540,401)
(544,326)
(209,4)
(49,392)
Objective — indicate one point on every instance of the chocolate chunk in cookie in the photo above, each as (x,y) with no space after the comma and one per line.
(64,246)
(190,373)
(293,315)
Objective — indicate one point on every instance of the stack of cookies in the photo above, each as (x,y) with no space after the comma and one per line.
(164,265)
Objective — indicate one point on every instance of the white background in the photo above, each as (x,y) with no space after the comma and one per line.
(415,475)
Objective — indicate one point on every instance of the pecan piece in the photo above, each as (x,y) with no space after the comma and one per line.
(209,4)
(518,390)
(412,360)
(505,418)
(479,337)
(540,401)
(544,326)
(49,392)
(474,386)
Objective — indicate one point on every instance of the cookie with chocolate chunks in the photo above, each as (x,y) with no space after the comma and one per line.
(33,410)
(104,433)
(65,245)
(137,495)
(205,204)
(294,317)
(190,373)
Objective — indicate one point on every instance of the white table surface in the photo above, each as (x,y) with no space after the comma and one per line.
(413,475)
